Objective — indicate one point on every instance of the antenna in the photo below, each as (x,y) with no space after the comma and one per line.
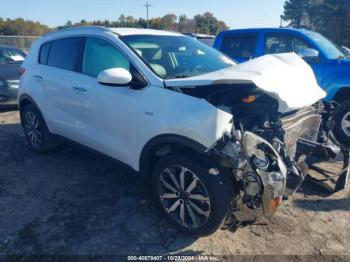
(147,5)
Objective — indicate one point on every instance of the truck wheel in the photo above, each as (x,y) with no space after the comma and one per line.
(195,201)
(37,134)
(342,125)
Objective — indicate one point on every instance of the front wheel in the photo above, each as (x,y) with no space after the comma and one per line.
(342,125)
(194,200)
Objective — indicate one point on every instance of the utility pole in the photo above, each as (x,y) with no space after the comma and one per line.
(147,5)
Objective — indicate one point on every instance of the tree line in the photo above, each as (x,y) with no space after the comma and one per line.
(205,23)
(20,26)
(329,17)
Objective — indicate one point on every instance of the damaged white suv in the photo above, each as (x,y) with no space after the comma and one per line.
(215,139)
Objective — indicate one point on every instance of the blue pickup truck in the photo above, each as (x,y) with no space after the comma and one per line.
(329,63)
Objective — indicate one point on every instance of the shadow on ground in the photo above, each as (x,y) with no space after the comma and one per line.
(70,202)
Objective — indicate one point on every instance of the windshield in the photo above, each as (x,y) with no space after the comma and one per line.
(329,48)
(177,56)
(11,55)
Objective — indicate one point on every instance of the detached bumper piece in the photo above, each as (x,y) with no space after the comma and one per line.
(317,152)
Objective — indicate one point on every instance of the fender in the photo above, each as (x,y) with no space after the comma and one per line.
(156,142)
(31,100)
(335,83)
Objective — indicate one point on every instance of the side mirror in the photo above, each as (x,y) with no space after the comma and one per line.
(114,76)
(308,53)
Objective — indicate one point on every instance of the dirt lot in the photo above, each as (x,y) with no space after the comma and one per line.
(70,202)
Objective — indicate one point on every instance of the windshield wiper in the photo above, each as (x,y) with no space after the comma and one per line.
(181,76)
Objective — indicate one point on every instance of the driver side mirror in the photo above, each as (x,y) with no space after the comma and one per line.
(115,76)
(309,54)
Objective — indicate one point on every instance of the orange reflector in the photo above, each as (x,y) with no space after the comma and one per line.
(249,99)
(276,202)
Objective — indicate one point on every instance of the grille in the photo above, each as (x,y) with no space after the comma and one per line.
(304,124)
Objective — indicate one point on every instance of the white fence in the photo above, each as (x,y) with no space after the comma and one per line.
(22,42)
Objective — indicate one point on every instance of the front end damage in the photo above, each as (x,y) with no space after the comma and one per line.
(258,173)
(281,129)
(261,162)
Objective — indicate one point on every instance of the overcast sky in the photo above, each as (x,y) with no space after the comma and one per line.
(236,13)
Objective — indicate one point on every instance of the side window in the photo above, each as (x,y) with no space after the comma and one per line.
(44,53)
(239,47)
(99,55)
(275,44)
(65,53)
(299,45)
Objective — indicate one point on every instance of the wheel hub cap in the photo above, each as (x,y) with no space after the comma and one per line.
(184,197)
(345,124)
(32,129)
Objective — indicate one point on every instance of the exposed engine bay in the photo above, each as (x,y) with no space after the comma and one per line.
(267,147)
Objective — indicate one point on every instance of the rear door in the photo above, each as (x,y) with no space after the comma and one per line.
(240,47)
(59,66)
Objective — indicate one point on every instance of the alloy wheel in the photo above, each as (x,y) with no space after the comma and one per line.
(184,196)
(32,129)
(345,124)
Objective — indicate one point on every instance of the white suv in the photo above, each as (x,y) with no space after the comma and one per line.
(163,103)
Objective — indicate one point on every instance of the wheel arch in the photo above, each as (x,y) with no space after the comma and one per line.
(342,94)
(25,100)
(164,144)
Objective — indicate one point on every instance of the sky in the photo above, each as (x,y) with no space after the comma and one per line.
(235,13)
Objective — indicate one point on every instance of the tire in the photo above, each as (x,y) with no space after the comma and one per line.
(342,124)
(212,194)
(37,134)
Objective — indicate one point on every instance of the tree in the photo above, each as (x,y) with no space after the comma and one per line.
(329,17)
(186,25)
(23,27)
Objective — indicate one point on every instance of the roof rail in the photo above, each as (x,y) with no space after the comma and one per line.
(102,28)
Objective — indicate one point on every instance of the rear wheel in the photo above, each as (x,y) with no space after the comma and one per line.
(38,136)
(342,125)
(195,201)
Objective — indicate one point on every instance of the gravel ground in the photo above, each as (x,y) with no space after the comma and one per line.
(70,202)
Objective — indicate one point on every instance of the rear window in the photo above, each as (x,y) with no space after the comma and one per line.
(11,56)
(239,46)
(65,53)
(44,53)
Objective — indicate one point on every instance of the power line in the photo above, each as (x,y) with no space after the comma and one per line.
(147,5)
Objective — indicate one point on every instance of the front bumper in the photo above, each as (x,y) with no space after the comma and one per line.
(261,175)
(267,165)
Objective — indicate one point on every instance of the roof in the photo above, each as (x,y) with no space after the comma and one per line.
(119,31)
(271,29)
(141,31)
(8,46)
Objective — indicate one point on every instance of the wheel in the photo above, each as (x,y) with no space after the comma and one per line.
(195,201)
(37,134)
(342,125)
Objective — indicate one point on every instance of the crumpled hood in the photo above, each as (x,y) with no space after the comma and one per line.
(286,77)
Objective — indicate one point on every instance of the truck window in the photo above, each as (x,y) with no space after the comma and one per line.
(278,43)
(275,44)
(239,46)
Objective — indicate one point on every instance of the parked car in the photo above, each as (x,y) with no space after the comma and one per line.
(331,67)
(11,59)
(204,38)
(214,139)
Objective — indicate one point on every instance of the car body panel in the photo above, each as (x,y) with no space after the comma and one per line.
(284,76)
(79,117)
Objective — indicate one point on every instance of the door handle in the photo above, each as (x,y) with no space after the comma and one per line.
(78,89)
(39,78)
